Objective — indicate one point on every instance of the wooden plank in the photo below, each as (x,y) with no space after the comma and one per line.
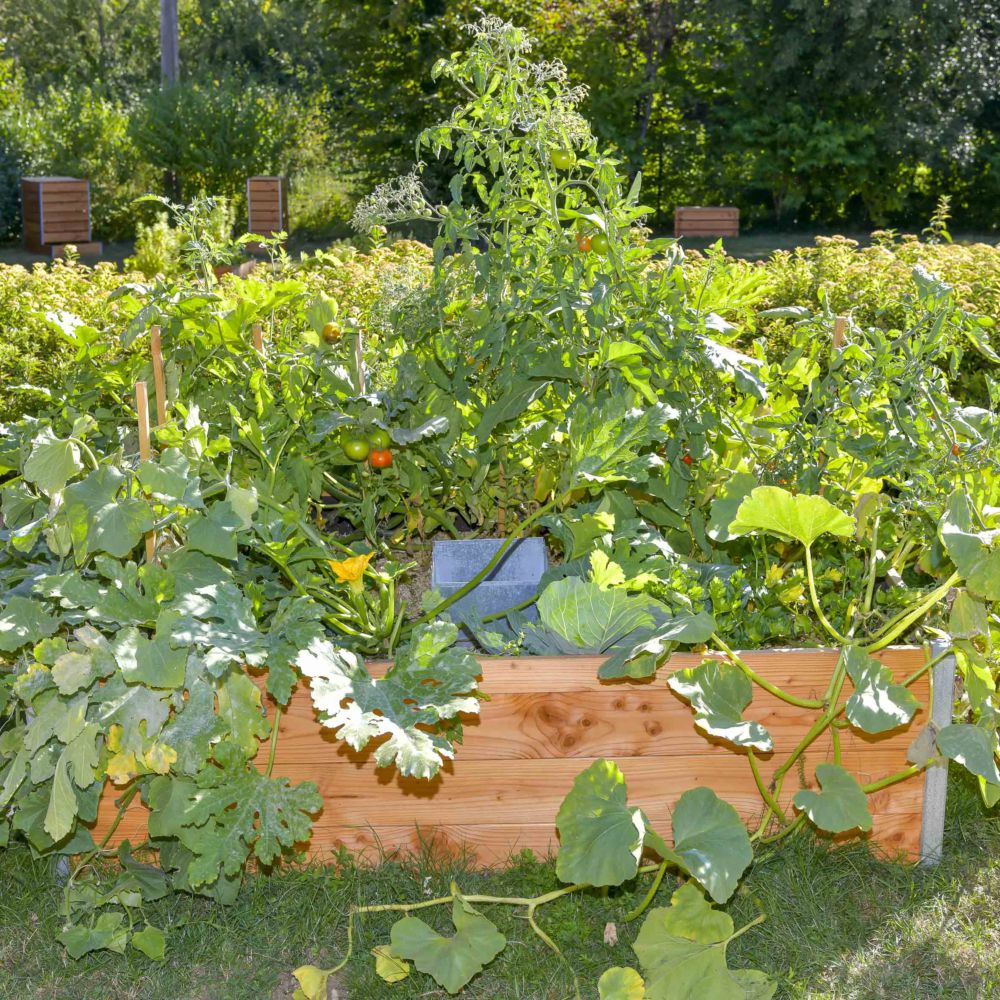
(802,672)
(61,196)
(548,719)
(471,792)
(56,189)
(497,844)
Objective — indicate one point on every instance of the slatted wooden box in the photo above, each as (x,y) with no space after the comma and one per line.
(56,211)
(692,220)
(547,720)
(267,206)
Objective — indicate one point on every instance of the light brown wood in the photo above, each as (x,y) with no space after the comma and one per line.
(359,361)
(547,719)
(715,220)
(267,207)
(258,338)
(159,382)
(55,211)
(839,331)
(145,454)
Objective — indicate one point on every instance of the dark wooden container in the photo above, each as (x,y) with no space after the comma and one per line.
(267,206)
(56,212)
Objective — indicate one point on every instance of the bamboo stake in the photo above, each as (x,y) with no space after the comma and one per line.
(159,381)
(839,332)
(258,339)
(142,410)
(359,363)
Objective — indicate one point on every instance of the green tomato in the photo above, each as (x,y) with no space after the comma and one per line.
(599,243)
(355,448)
(379,439)
(563,159)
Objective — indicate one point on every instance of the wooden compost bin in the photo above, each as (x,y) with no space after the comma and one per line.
(56,211)
(267,206)
(547,720)
(693,220)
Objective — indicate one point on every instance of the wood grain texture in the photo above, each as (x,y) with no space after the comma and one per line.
(547,720)
(715,220)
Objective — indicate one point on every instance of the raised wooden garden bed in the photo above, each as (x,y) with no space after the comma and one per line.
(267,207)
(56,212)
(547,720)
(694,220)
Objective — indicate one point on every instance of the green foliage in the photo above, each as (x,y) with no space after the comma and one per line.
(521,380)
(214,136)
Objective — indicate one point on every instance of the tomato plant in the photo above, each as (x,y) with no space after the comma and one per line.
(379,438)
(563,159)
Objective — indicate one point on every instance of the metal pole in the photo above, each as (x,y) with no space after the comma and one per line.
(169,42)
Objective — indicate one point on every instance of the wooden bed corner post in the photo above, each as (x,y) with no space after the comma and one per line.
(145,453)
(839,332)
(159,382)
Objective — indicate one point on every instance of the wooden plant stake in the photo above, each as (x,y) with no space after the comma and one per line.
(258,339)
(160,384)
(142,410)
(839,332)
(359,363)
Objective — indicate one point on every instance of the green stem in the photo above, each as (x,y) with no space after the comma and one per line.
(894,779)
(814,599)
(825,720)
(873,562)
(895,628)
(638,911)
(274,741)
(489,567)
(124,803)
(763,682)
(533,924)
(784,831)
(929,665)
(85,448)
(770,801)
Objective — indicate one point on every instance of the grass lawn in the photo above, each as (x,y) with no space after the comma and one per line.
(840,924)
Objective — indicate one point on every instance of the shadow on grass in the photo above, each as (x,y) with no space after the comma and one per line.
(841,923)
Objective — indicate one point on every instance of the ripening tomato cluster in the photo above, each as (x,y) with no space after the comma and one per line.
(375,447)
(564,159)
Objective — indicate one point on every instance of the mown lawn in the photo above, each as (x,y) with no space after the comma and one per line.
(840,924)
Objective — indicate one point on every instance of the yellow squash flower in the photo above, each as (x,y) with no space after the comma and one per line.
(351,571)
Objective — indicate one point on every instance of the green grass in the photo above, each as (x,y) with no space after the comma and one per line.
(840,923)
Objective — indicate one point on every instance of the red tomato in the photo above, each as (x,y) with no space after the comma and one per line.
(380,458)
(583,243)
(687,459)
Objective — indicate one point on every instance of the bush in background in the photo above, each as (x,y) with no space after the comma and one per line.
(212,136)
